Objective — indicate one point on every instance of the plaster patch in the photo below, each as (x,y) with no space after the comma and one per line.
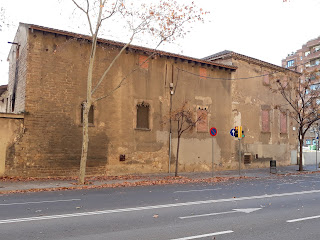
(205,100)
(162,136)
(237,119)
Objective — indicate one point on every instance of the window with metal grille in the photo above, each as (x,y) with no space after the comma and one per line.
(143,115)
(91,115)
(247,158)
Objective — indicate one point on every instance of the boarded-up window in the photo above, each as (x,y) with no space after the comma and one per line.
(203,73)
(266,79)
(283,122)
(202,124)
(265,117)
(143,62)
(90,118)
(143,115)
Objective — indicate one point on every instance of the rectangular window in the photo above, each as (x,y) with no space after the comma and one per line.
(202,124)
(308,141)
(203,73)
(90,117)
(143,115)
(290,63)
(143,62)
(265,118)
(283,122)
(306,53)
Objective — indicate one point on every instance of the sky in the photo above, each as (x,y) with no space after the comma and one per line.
(264,29)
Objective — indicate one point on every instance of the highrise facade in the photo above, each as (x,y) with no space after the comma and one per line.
(306,58)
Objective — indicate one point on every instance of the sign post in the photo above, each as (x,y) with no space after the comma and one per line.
(237,132)
(213,132)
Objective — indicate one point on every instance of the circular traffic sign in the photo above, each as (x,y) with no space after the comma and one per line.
(213,131)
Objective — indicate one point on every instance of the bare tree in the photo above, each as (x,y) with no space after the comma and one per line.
(161,20)
(303,95)
(185,120)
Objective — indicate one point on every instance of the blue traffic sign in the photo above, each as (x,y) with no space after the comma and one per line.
(232,132)
(213,131)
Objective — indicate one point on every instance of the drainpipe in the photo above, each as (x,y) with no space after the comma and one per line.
(170,123)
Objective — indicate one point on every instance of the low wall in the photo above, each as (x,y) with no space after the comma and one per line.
(11,126)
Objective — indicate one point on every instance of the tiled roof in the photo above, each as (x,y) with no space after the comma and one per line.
(231,54)
(225,52)
(134,47)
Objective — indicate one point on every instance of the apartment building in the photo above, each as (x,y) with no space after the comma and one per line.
(306,58)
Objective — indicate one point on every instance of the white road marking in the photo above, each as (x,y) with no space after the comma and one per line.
(244,210)
(156,207)
(201,190)
(25,203)
(286,183)
(302,219)
(204,235)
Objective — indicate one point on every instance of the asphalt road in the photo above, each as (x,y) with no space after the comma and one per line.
(278,208)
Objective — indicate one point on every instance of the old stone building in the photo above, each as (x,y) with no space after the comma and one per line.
(269,131)
(47,86)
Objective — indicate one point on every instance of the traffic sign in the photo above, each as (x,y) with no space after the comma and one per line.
(213,131)
(232,132)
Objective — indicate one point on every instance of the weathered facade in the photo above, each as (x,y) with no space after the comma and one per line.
(3,99)
(264,115)
(47,85)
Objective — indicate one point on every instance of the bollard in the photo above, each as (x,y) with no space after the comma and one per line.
(273,166)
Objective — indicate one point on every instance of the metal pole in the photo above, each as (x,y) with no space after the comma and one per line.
(239,157)
(170,112)
(170,149)
(317,154)
(317,144)
(212,156)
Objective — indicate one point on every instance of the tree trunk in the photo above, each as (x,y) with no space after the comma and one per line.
(85,143)
(177,159)
(300,154)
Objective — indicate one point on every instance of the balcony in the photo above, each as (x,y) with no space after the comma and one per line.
(312,55)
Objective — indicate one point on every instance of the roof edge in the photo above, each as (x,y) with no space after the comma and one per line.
(231,54)
(120,44)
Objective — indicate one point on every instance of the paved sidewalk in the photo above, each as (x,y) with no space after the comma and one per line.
(36,185)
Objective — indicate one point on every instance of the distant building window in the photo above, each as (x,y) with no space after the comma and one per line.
(316,48)
(290,63)
(202,125)
(307,53)
(143,110)
(283,122)
(143,62)
(203,73)
(315,62)
(308,141)
(265,118)
(91,115)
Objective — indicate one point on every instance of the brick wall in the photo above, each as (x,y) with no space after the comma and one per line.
(55,87)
